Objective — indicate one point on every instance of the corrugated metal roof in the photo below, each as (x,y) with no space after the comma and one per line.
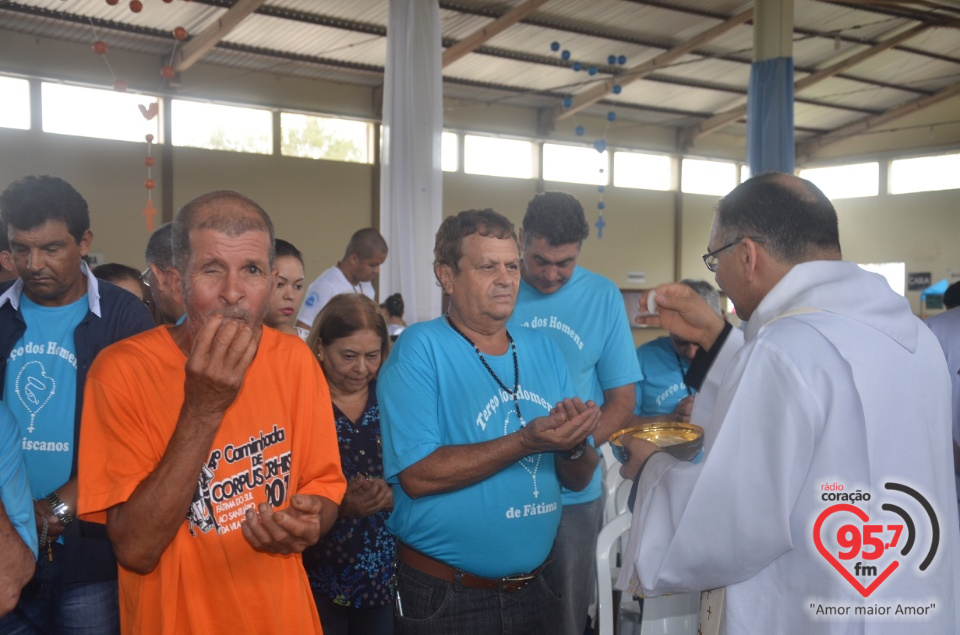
(308,39)
(910,69)
(842,92)
(822,16)
(805,116)
(344,41)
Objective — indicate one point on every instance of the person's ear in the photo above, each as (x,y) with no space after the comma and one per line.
(85,240)
(444,274)
(157,276)
(749,257)
(6,261)
(174,282)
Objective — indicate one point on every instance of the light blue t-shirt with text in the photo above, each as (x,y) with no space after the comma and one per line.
(588,321)
(40,388)
(434,391)
(662,386)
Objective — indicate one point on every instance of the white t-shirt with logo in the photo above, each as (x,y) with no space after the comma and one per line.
(330,283)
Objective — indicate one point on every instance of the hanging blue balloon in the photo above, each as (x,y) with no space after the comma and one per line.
(565,55)
(622,60)
(600,145)
(567,102)
(577,66)
(601,205)
(592,70)
(611,116)
(580,130)
(617,89)
(611,59)
(601,189)
(554,46)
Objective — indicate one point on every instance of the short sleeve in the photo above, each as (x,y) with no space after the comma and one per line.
(14,487)
(618,364)
(407,390)
(115,452)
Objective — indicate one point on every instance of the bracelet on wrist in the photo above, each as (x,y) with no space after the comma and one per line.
(59,508)
(44,535)
(575,452)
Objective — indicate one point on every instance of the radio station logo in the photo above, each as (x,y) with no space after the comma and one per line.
(867,550)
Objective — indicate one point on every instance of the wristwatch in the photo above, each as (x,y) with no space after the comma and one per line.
(576,451)
(60,509)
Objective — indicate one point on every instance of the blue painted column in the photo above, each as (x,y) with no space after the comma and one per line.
(770,144)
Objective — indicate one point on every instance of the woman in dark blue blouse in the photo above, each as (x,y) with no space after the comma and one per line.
(351,567)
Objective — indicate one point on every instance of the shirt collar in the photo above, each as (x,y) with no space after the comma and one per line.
(12,295)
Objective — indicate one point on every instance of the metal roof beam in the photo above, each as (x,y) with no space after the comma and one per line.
(546,21)
(191,52)
(603,88)
(726,117)
(806,148)
(478,37)
(373,29)
(853,60)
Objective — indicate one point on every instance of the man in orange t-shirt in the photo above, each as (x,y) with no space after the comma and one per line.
(209,448)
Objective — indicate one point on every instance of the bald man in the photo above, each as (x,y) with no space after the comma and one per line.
(827,428)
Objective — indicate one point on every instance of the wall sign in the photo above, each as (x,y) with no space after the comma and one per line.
(918,281)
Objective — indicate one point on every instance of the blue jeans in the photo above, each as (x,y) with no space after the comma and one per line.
(573,569)
(433,607)
(345,620)
(48,606)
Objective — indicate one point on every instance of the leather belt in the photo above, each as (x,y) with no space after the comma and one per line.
(442,571)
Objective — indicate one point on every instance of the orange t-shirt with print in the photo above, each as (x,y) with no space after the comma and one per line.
(277,439)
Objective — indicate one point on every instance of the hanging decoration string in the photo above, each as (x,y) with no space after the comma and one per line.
(149,112)
(600,143)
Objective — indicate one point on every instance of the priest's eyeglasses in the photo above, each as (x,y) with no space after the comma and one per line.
(710,258)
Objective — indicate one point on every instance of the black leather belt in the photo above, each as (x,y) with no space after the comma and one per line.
(442,571)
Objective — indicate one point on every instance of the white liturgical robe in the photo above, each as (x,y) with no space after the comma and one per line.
(834,392)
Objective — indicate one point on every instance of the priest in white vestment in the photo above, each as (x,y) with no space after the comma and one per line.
(825,502)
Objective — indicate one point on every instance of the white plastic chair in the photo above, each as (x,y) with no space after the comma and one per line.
(608,458)
(676,614)
(611,479)
(609,536)
(620,496)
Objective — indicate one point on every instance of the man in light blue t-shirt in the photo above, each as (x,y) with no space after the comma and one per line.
(479,432)
(54,319)
(584,314)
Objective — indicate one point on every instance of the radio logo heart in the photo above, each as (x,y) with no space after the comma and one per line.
(866,553)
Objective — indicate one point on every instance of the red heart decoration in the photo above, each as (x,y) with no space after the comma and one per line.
(149,112)
(862,515)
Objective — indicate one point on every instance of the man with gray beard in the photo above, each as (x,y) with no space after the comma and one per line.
(209,448)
